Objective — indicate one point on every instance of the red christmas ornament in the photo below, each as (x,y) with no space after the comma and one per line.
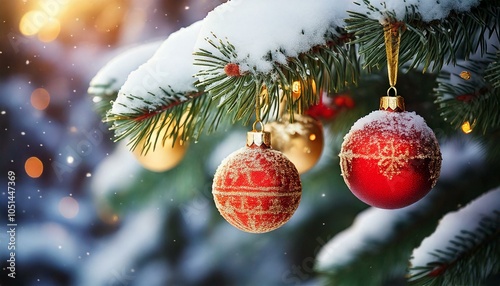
(344,100)
(390,158)
(329,107)
(257,189)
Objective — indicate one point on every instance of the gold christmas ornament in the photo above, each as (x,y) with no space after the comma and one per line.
(161,155)
(301,141)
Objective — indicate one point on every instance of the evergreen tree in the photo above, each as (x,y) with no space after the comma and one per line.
(219,75)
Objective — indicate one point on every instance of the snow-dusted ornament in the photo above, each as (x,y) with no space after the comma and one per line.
(390,158)
(257,189)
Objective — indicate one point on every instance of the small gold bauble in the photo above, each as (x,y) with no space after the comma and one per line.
(301,141)
(161,156)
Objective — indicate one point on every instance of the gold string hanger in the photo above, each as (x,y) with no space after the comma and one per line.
(258,136)
(392,38)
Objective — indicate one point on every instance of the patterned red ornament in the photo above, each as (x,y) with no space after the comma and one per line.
(257,189)
(390,158)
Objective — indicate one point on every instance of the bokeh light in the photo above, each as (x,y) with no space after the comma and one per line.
(49,31)
(110,17)
(69,207)
(40,98)
(107,215)
(32,22)
(44,20)
(466,127)
(33,167)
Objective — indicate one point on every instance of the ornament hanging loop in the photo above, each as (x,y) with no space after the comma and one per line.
(393,89)
(258,136)
(260,95)
(392,37)
(258,126)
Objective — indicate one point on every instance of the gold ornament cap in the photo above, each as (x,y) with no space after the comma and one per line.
(392,103)
(259,138)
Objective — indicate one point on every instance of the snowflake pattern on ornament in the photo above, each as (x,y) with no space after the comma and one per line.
(393,140)
(390,159)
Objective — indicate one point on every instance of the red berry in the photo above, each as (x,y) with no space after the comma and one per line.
(232,69)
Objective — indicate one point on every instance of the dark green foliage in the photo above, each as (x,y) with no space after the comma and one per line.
(176,112)
(475,100)
(427,45)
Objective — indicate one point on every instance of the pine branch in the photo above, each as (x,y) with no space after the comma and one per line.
(426,45)
(159,95)
(183,116)
(328,67)
(492,73)
(102,96)
(379,260)
(472,257)
(474,100)
(105,84)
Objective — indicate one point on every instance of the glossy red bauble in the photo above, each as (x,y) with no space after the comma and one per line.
(390,159)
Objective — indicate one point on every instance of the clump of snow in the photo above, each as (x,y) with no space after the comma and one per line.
(453,223)
(170,69)
(404,123)
(260,35)
(370,226)
(428,9)
(261,27)
(257,28)
(112,76)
